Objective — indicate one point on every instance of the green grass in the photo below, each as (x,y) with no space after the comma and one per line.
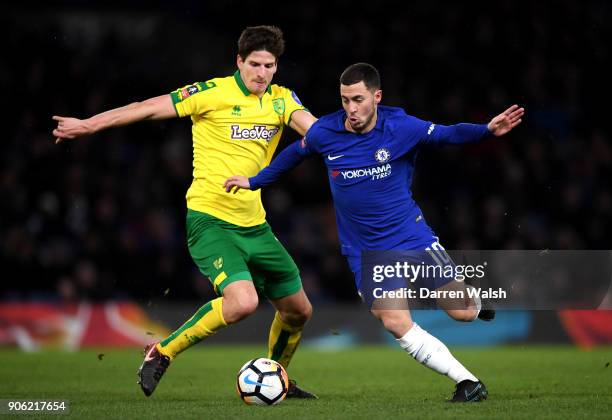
(364,382)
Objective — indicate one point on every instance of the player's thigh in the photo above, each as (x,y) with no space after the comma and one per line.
(390,293)
(453,297)
(277,274)
(451,293)
(216,251)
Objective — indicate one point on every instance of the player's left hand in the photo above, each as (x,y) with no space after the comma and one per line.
(71,128)
(506,121)
(236,183)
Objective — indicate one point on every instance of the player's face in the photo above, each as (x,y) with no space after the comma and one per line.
(257,70)
(360,104)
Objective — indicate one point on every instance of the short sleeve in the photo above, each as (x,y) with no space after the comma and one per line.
(195,99)
(292,104)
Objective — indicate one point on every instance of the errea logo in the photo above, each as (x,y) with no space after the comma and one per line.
(257,132)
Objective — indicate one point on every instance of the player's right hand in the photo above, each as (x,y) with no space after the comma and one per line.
(70,128)
(236,183)
(506,121)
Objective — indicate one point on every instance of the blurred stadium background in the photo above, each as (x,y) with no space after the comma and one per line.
(92,232)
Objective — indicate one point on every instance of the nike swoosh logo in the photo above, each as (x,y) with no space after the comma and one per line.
(330,157)
(470,395)
(250,381)
(148,356)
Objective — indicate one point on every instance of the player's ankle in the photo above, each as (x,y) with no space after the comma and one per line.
(164,352)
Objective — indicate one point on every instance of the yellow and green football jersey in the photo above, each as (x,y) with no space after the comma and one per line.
(234,133)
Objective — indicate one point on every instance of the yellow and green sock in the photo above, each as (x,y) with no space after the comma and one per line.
(204,323)
(283,340)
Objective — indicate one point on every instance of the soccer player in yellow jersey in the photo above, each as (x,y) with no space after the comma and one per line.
(237,123)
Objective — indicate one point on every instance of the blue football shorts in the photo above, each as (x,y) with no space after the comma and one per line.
(376,272)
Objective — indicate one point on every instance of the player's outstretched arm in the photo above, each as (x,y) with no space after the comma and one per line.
(157,108)
(463,133)
(506,121)
(288,159)
(301,121)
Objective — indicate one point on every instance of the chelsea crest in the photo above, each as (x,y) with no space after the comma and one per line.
(382,155)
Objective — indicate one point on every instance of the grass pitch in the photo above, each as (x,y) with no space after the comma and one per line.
(364,382)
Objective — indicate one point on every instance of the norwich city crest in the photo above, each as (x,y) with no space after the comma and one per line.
(218,263)
(279,106)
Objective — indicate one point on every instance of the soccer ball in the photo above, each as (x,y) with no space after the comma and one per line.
(262,382)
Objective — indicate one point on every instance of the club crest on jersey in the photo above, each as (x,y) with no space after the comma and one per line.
(279,106)
(382,155)
(218,263)
(257,132)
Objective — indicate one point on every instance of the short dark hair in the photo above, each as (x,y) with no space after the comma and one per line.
(361,72)
(256,38)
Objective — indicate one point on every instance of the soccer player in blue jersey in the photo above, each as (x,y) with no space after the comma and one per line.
(370,152)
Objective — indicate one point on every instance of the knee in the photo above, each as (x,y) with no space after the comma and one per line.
(297,316)
(463,315)
(237,307)
(391,323)
(305,313)
(394,322)
(248,305)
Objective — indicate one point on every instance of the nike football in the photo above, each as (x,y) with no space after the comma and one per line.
(262,382)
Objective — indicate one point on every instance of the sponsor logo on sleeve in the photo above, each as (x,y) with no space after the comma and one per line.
(295,98)
(191,90)
(187,91)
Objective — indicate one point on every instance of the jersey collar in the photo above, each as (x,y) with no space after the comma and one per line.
(243,87)
(380,119)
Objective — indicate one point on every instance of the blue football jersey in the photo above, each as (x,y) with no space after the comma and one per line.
(370,176)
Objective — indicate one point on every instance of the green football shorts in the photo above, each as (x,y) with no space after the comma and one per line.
(225,253)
